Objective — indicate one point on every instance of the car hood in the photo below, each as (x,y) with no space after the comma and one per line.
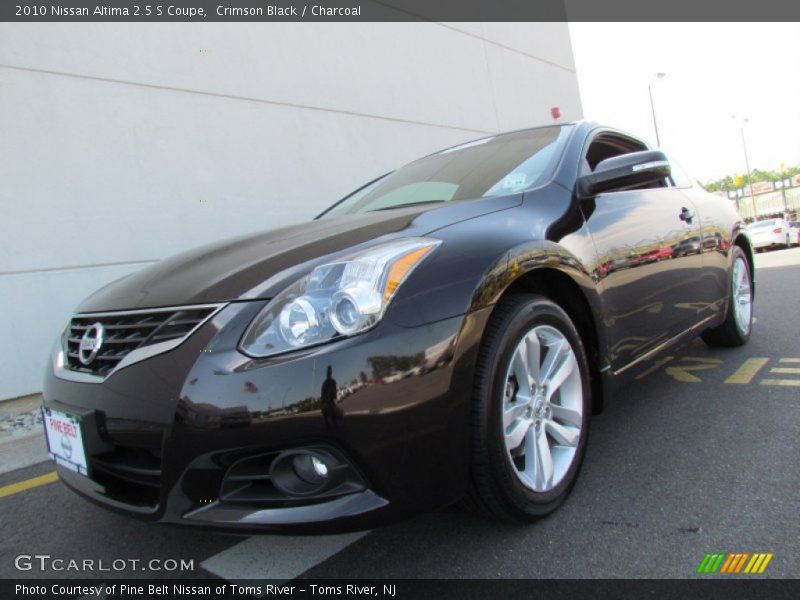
(257,266)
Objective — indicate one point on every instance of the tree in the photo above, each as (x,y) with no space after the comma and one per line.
(737,181)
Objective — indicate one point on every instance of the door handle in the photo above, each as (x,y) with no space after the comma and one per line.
(686,215)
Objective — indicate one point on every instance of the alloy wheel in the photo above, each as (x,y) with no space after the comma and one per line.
(742,295)
(542,408)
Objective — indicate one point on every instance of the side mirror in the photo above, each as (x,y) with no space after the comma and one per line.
(624,172)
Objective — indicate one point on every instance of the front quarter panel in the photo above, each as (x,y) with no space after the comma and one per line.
(478,258)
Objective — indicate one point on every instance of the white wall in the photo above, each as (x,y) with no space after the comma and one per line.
(121,144)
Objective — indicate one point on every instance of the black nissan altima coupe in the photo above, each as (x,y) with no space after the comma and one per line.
(442,333)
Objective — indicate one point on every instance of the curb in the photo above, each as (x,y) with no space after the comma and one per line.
(24,450)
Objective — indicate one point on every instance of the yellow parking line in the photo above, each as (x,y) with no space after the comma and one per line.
(15,488)
(786,370)
(790,360)
(655,367)
(684,370)
(747,371)
(784,382)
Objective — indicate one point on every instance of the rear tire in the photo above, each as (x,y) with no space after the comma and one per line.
(531,407)
(738,324)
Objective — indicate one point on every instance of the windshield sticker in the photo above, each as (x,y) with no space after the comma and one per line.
(515,180)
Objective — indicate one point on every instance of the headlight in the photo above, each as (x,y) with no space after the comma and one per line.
(336,299)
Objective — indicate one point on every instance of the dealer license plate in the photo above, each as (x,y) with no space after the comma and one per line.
(64,440)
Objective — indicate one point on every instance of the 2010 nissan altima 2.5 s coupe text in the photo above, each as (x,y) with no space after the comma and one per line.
(444,332)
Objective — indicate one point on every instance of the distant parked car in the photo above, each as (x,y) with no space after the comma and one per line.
(771,233)
(794,233)
(692,245)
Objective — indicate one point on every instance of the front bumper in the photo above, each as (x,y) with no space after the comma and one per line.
(162,435)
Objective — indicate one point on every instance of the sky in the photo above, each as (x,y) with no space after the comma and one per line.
(713,72)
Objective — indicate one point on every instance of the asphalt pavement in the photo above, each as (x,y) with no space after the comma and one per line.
(699,456)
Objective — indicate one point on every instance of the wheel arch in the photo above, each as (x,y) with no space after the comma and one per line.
(743,242)
(550,271)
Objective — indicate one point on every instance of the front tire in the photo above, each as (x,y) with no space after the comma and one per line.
(531,406)
(735,329)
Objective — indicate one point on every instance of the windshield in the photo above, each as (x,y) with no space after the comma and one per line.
(761,224)
(493,166)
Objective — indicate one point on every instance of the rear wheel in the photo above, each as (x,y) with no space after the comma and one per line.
(531,410)
(735,330)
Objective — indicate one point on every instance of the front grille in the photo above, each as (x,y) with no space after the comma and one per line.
(126,332)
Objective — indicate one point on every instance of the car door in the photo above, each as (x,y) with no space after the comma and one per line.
(649,249)
(716,219)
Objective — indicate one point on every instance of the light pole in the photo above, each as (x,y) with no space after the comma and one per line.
(744,122)
(653,107)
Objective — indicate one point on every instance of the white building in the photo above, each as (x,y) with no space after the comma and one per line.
(121,144)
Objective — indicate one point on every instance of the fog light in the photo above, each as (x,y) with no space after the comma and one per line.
(310,468)
(313,472)
(320,468)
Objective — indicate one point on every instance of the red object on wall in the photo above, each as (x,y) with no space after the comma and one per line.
(555,112)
